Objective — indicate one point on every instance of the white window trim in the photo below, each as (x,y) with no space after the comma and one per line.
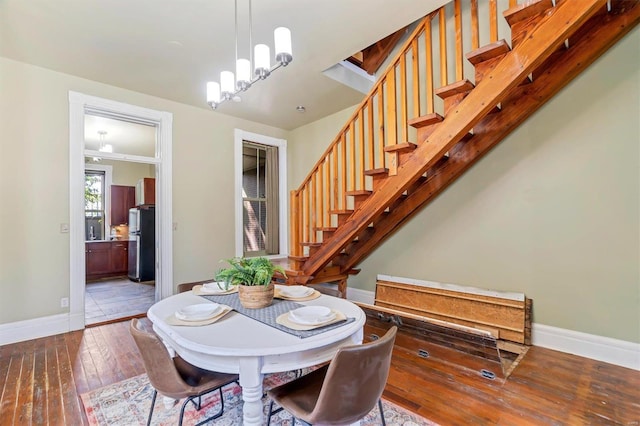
(239,137)
(108,180)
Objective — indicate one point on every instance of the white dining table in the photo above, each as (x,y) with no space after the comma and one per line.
(239,344)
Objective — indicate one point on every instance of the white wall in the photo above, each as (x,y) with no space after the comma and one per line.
(34,187)
(553,211)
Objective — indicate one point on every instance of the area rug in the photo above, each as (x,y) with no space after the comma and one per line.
(127,403)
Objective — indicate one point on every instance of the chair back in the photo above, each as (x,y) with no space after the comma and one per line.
(354,381)
(159,365)
(188,286)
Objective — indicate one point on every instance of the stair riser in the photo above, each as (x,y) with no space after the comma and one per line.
(453,101)
(358,200)
(485,67)
(378,180)
(425,132)
(522,29)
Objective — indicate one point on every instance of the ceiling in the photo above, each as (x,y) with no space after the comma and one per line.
(171,48)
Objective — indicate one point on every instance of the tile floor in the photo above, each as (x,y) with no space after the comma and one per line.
(116,298)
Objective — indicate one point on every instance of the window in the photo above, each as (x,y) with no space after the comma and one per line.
(259,199)
(94,205)
(97,201)
(261,220)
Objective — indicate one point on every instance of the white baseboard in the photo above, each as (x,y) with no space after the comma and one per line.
(605,349)
(362,296)
(20,331)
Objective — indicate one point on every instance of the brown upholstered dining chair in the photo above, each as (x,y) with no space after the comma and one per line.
(175,377)
(343,391)
(188,286)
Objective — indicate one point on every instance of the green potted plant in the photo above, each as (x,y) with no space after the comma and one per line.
(253,276)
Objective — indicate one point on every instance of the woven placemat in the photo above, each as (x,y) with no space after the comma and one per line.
(269,314)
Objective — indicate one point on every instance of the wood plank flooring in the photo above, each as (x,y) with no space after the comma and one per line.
(40,383)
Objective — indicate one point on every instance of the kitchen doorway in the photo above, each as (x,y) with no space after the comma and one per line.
(110,135)
(120,247)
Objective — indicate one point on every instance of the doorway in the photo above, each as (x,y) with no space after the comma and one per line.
(134,144)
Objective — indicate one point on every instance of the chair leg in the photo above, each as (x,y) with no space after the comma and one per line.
(381,412)
(153,403)
(270,413)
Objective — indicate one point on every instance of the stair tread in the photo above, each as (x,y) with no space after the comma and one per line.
(462,86)
(359,192)
(298,258)
(380,171)
(325,228)
(401,147)
(425,120)
(310,244)
(487,52)
(340,211)
(521,12)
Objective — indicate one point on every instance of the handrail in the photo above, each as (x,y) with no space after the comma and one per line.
(405,90)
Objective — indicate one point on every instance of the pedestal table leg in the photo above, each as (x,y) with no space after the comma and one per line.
(251,382)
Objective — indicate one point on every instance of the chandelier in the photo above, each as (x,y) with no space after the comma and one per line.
(104,147)
(259,59)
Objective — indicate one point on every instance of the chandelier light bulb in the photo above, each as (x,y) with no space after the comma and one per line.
(243,74)
(262,61)
(106,148)
(213,94)
(282,38)
(227,84)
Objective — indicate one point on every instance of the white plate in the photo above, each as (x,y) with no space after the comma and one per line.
(199,312)
(295,291)
(214,288)
(311,315)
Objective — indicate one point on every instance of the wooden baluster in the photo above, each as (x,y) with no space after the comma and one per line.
(294,220)
(327,195)
(352,156)
(444,78)
(343,169)
(513,3)
(370,135)
(336,187)
(415,70)
(392,126)
(459,53)
(305,207)
(312,208)
(403,98)
(428,48)
(300,222)
(475,30)
(381,155)
(320,190)
(493,21)
(360,149)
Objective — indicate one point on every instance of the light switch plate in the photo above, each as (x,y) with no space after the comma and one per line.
(64,228)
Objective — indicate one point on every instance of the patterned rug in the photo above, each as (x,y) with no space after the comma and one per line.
(127,403)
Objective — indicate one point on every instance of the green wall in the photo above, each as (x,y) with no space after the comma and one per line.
(553,211)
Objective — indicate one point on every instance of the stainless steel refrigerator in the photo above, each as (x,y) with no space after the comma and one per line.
(142,244)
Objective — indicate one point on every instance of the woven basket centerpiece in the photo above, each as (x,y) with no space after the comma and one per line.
(254,297)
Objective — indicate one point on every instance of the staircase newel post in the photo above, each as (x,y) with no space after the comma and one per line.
(294,224)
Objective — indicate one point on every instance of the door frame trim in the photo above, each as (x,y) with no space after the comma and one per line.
(79,103)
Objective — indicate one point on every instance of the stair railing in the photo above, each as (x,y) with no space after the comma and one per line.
(405,90)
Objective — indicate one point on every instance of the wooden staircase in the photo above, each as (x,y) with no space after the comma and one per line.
(372,179)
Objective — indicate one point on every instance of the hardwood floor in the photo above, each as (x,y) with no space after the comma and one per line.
(40,383)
